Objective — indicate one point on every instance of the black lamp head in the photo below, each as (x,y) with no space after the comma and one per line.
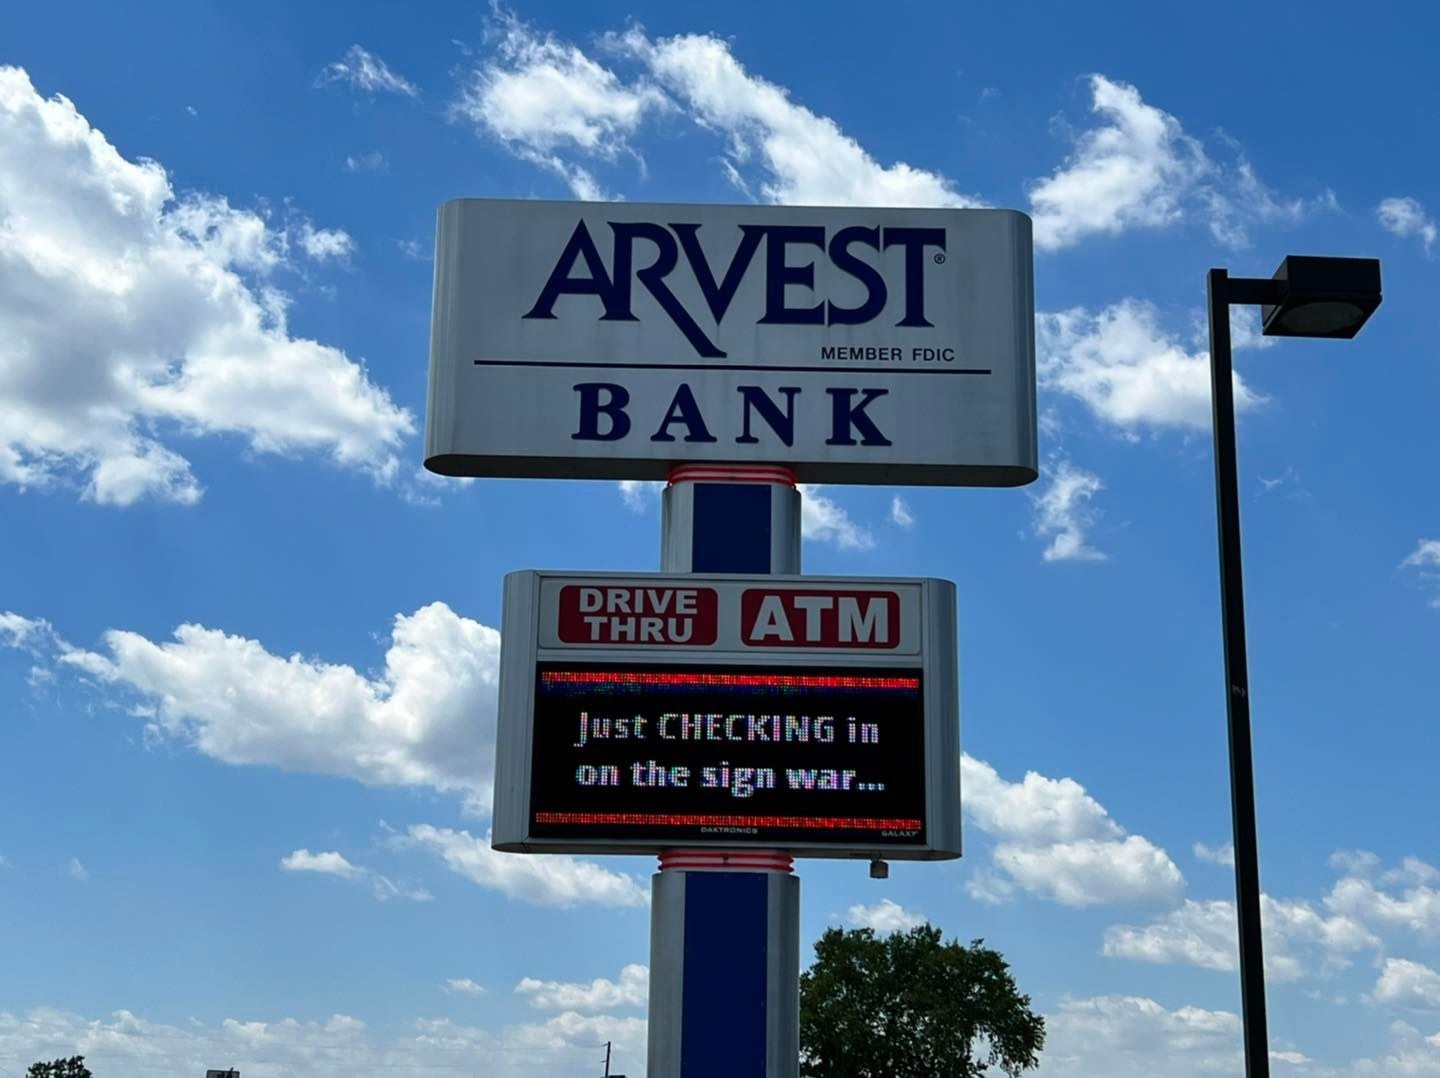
(1323,297)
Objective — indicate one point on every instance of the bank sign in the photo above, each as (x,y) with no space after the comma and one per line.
(640,712)
(615,340)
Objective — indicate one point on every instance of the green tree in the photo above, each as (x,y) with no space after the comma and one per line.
(909,1005)
(74,1067)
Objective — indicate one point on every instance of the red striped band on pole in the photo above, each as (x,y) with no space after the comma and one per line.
(732,473)
(727,861)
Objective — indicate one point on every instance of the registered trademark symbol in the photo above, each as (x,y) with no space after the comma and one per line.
(939,260)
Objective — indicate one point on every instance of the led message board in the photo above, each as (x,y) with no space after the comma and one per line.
(810,714)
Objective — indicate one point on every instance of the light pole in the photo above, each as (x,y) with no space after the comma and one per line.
(1307,297)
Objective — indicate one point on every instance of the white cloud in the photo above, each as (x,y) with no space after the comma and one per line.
(1127,370)
(364,71)
(1133,171)
(823,520)
(124,1045)
(900,512)
(885,917)
(323,244)
(1125,1037)
(1139,169)
(804,158)
(1406,217)
(553,880)
(374,161)
(1416,909)
(1063,511)
(1056,841)
(27,634)
(328,863)
(77,871)
(632,989)
(1299,940)
(1408,984)
(544,99)
(1224,854)
(637,494)
(463,986)
(426,719)
(1425,560)
(129,316)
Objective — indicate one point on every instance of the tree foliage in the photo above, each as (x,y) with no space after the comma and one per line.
(909,1005)
(74,1067)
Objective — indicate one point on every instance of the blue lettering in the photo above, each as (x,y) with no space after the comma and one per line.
(653,278)
(615,299)
(914,240)
(683,409)
(613,286)
(845,415)
(782,423)
(778,275)
(612,408)
(862,271)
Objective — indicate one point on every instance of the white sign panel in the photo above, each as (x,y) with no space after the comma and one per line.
(615,340)
(640,712)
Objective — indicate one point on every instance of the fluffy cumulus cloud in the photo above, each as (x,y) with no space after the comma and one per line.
(824,520)
(1409,984)
(1124,1037)
(125,1045)
(800,157)
(1407,217)
(1054,840)
(130,317)
(560,881)
(884,917)
(1122,365)
(1138,169)
(427,718)
(547,101)
(1425,560)
(362,70)
(331,863)
(1063,513)
(1403,900)
(631,989)
(1299,939)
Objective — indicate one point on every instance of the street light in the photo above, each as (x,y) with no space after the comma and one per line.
(1307,297)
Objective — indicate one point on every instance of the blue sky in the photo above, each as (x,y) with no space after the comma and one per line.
(248,649)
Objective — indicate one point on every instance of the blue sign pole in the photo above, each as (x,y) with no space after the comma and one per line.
(725,925)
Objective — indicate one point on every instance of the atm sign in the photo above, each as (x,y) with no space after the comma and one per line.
(829,618)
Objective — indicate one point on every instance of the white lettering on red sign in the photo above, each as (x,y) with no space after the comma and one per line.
(819,619)
(628,614)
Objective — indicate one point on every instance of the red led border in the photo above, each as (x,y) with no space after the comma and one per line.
(687,819)
(759,681)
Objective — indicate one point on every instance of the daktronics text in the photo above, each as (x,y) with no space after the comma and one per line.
(613,285)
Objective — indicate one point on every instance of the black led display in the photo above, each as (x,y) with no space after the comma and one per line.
(683,754)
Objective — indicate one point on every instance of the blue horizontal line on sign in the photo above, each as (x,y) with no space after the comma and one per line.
(836,369)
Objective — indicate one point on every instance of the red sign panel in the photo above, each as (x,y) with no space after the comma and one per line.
(627,614)
(782,618)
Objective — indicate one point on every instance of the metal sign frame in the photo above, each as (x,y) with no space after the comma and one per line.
(934,653)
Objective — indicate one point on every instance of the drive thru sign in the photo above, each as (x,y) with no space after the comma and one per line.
(614,340)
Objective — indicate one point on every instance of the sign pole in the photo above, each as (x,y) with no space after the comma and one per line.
(725,925)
